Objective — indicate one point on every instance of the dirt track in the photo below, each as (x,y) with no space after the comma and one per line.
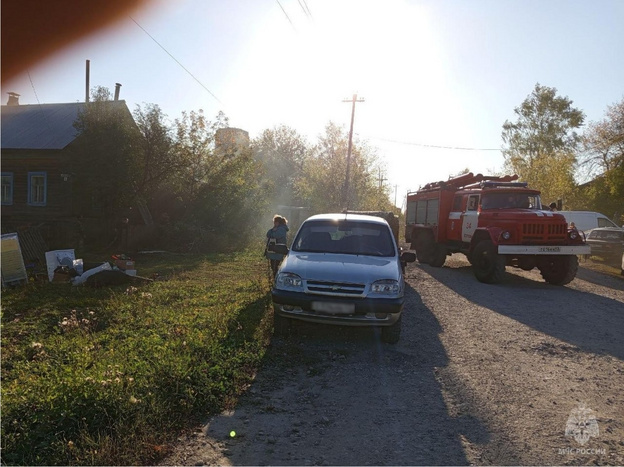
(483,374)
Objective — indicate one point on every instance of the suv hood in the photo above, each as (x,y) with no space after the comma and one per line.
(341,268)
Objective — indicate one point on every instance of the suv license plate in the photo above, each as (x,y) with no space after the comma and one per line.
(334,308)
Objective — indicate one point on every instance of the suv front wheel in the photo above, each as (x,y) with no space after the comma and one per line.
(391,334)
(281,325)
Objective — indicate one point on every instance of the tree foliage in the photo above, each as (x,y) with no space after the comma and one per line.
(283,153)
(603,161)
(104,158)
(156,158)
(540,146)
(193,144)
(323,179)
(604,141)
(208,195)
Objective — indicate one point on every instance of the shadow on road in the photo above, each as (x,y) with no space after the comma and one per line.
(331,395)
(591,322)
(605,279)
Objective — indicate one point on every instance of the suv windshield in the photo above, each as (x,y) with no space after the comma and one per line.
(510,200)
(345,237)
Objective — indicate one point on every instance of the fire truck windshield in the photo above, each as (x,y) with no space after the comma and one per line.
(510,200)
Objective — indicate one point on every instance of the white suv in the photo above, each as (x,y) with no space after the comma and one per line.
(342,269)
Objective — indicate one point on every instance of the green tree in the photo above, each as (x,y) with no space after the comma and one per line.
(157,159)
(193,145)
(540,146)
(323,181)
(228,203)
(282,152)
(216,193)
(105,158)
(603,163)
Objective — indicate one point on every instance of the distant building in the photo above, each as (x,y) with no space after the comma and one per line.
(231,140)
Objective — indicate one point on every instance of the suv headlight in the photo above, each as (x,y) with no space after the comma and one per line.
(386,287)
(288,281)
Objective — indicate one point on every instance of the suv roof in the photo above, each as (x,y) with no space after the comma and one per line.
(347,216)
(606,229)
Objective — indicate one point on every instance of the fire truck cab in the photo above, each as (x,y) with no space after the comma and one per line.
(496,222)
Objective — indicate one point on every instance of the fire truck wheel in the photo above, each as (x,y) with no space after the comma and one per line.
(439,256)
(488,265)
(424,247)
(422,256)
(559,270)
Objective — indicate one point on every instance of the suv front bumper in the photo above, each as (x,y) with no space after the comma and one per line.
(365,311)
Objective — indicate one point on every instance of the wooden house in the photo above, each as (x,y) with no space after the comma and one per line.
(37,177)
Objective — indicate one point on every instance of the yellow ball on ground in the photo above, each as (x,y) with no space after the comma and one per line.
(232,434)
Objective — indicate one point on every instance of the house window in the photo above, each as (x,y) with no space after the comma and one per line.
(7,188)
(37,188)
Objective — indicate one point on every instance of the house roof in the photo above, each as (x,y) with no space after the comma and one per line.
(42,126)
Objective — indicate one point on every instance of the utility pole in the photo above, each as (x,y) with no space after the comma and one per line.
(345,196)
(381,179)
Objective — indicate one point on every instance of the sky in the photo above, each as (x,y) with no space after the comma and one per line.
(438,78)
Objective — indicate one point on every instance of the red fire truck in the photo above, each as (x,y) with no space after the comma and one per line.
(495,222)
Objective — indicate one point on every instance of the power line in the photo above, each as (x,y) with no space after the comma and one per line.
(45,116)
(307,8)
(455,148)
(176,60)
(33,87)
(287,17)
(304,7)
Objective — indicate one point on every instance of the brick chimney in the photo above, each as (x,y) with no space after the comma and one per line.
(13,98)
(117,88)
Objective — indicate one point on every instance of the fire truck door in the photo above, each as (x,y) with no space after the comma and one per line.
(470,218)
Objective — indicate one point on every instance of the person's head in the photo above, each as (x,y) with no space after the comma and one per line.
(552,206)
(279,220)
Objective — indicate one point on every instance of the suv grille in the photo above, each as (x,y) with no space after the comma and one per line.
(335,288)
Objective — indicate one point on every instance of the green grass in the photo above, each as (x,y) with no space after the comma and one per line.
(111,376)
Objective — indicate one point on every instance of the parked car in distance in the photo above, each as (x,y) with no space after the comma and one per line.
(587,220)
(343,269)
(606,242)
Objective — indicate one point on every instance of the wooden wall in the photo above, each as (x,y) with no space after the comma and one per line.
(58,197)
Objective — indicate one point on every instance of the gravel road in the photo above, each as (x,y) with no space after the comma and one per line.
(483,374)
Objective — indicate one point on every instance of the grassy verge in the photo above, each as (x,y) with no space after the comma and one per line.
(110,376)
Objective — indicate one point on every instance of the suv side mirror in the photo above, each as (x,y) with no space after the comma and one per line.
(408,257)
(279,248)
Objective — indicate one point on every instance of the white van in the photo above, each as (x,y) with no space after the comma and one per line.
(587,220)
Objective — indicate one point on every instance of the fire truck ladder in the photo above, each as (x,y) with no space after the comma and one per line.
(468,180)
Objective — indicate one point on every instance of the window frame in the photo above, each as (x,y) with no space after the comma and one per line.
(9,202)
(30,201)
(473,203)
